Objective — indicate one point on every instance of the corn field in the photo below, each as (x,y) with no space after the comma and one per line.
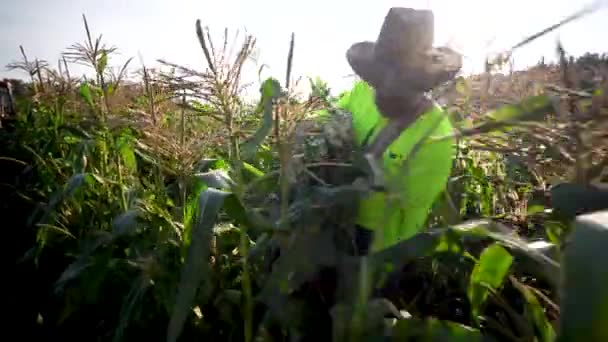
(165,205)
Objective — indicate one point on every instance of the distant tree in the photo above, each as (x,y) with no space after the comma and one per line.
(7,101)
(19,87)
(593,59)
(591,67)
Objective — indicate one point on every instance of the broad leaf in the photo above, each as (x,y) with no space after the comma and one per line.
(488,274)
(528,258)
(196,265)
(126,223)
(127,153)
(205,165)
(434,330)
(271,89)
(533,108)
(102,62)
(85,93)
(73,185)
(536,313)
(189,211)
(252,171)
(217,179)
(306,254)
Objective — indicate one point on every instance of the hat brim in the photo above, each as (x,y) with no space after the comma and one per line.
(361,58)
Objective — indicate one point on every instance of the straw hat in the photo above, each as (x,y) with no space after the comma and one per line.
(405,37)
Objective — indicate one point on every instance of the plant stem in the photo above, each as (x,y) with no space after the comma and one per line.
(183,126)
(246,283)
(358,317)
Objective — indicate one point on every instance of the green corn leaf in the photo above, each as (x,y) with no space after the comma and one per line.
(73,271)
(75,131)
(237,212)
(111,88)
(131,306)
(271,89)
(434,330)
(84,261)
(253,171)
(205,165)
(73,185)
(488,274)
(527,258)
(85,93)
(127,153)
(217,179)
(584,292)
(190,210)
(102,62)
(126,223)
(427,173)
(533,108)
(196,265)
(96,90)
(536,314)
(306,255)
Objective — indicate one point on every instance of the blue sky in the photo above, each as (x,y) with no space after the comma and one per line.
(324,29)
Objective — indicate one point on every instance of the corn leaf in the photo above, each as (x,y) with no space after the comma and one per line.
(196,265)
(488,274)
(536,314)
(127,153)
(85,93)
(434,330)
(102,63)
(271,89)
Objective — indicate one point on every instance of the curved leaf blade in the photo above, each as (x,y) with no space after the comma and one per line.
(102,62)
(271,89)
(536,313)
(434,330)
(85,93)
(127,152)
(196,265)
(488,274)
(217,179)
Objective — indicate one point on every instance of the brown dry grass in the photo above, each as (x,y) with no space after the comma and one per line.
(570,144)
